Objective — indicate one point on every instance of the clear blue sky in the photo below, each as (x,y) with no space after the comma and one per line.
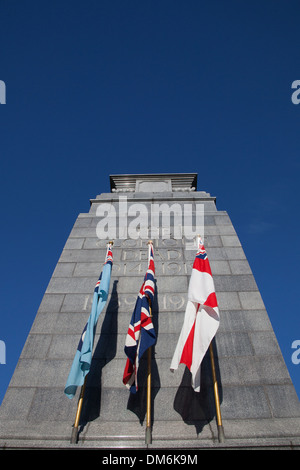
(100,87)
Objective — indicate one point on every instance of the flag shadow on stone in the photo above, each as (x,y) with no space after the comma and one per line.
(137,402)
(198,408)
(104,352)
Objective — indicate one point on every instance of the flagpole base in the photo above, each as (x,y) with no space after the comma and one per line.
(74,436)
(221,435)
(148,436)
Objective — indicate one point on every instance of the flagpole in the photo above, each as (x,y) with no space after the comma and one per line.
(221,435)
(148,436)
(74,435)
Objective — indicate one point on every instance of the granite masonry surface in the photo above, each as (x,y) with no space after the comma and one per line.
(259,405)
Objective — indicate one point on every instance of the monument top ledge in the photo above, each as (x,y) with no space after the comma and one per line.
(158,182)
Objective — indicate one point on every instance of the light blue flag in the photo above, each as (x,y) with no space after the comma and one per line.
(83,356)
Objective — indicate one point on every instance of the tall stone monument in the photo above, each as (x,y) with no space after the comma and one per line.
(259,405)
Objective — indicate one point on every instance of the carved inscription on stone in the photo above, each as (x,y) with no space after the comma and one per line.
(163,268)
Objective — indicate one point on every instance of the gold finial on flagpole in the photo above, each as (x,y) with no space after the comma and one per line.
(197,239)
(111,242)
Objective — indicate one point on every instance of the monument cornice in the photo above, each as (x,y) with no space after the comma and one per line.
(179,181)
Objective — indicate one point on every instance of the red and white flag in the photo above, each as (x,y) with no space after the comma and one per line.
(201,320)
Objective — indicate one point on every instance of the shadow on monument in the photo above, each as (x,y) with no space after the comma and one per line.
(104,352)
(137,402)
(198,408)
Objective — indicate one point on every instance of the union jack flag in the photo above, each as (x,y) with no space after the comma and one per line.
(141,334)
